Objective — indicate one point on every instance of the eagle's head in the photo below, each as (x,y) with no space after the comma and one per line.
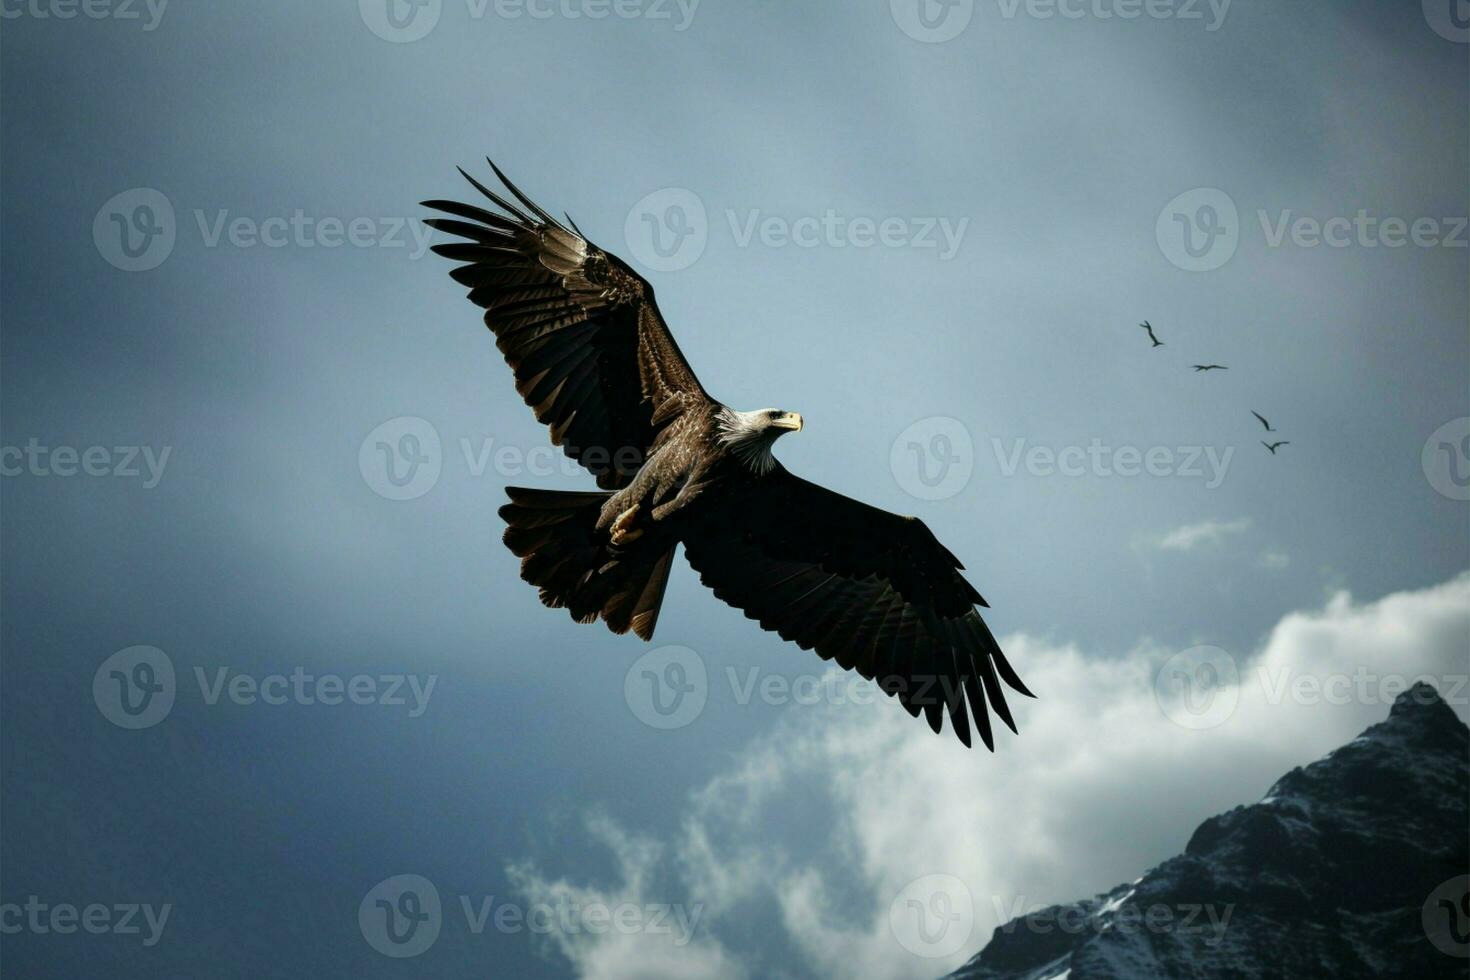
(750,435)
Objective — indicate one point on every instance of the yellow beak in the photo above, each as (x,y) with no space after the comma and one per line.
(790,421)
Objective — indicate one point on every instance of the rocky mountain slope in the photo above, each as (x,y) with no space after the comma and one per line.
(1353,866)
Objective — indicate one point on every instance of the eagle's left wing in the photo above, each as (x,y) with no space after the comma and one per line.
(875,591)
(580,329)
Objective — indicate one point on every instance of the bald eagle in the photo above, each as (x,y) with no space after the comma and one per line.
(594,360)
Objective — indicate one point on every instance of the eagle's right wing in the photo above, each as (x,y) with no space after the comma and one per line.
(873,590)
(590,351)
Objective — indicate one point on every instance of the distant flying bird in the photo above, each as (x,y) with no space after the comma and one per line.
(1273,446)
(1263,421)
(1149,327)
(1210,367)
(594,360)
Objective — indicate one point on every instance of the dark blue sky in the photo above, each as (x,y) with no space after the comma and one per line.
(270,157)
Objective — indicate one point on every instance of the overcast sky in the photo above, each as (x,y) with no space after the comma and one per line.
(932,230)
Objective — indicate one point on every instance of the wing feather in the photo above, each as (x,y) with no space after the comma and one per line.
(579,328)
(873,591)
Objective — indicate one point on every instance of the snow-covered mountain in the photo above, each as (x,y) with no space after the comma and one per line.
(1353,866)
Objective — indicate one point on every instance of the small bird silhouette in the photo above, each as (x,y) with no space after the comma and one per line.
(1273,446)
(1150,328)
(1209,367)
(1263,421)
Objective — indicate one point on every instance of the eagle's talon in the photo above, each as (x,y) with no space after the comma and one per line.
(621,532)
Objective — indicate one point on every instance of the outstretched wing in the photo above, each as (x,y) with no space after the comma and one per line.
(874,591)
(590,351)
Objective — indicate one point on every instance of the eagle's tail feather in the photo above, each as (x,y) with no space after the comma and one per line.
(571,562)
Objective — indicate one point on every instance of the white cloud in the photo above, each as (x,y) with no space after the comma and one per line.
(1191,536)
(635,933)
(806,841)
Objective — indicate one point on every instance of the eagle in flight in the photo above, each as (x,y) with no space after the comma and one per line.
(594,360)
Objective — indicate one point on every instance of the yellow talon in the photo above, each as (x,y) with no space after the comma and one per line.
(621,534)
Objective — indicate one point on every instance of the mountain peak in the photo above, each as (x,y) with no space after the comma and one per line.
(1421,693)
(1421,701)
(1418,720)
(1326,876)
